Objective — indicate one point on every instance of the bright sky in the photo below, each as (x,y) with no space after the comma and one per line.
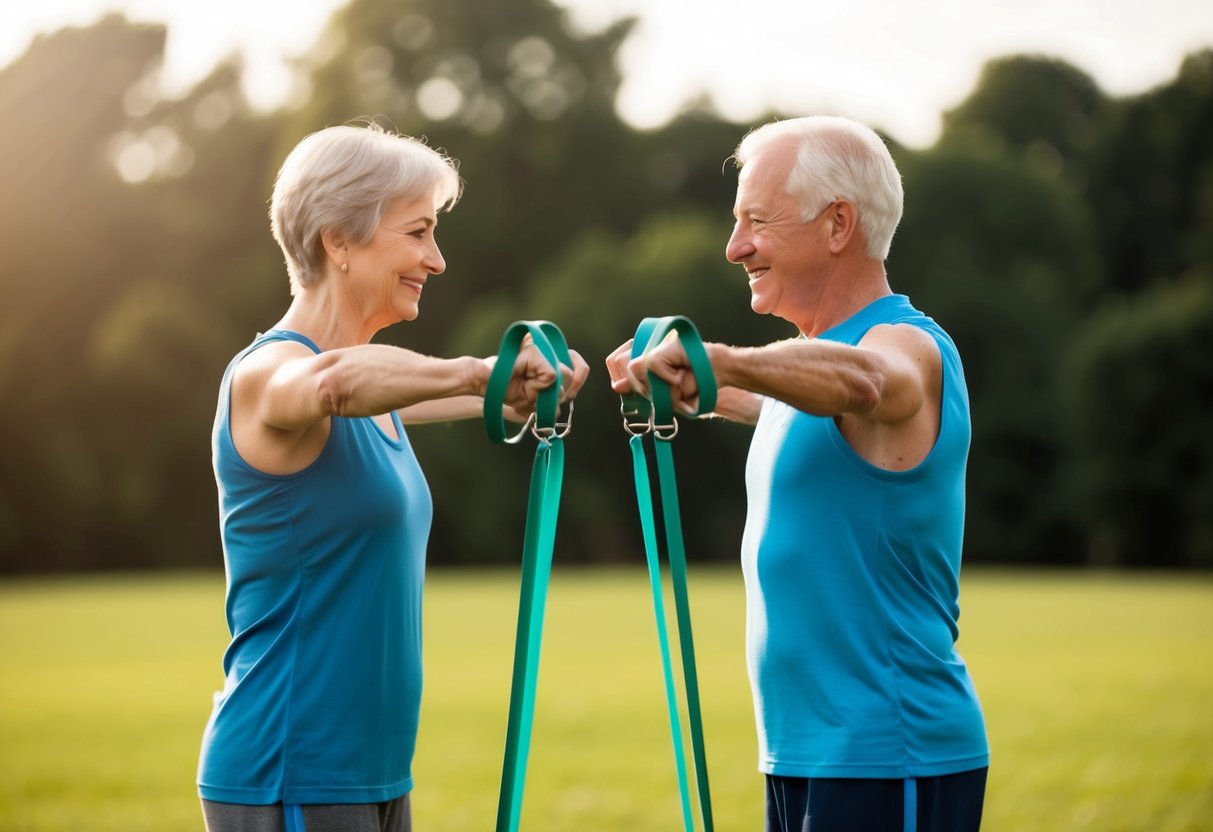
(896,64)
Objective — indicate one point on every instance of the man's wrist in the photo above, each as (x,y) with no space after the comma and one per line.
(720,357)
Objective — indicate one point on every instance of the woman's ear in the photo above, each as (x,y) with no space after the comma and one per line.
(335,247)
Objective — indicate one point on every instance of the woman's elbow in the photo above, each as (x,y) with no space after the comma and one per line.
(334,390)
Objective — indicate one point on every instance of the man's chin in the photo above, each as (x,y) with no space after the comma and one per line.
(759,306)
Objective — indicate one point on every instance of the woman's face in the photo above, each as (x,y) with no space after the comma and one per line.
(389,272)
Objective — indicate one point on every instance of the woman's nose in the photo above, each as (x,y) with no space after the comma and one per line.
(434,263)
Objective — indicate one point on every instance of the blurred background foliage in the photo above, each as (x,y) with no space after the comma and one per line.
(1063,237)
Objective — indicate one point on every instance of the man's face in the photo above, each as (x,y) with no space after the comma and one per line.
(781,253)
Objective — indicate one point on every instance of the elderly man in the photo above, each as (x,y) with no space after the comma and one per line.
(867,718)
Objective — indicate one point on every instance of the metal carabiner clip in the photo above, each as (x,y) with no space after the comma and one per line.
(528,425)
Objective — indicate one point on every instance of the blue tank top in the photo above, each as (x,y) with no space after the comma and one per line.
(324,582)
(851,575)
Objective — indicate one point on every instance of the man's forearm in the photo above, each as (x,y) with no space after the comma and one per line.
(821,378)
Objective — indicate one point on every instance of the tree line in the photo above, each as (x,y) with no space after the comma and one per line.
(1064,237)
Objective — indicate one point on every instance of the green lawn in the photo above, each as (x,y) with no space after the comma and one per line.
(1098,691)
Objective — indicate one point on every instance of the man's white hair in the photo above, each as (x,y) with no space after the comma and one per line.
(838,158)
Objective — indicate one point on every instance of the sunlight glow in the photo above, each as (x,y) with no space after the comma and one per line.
(895,64)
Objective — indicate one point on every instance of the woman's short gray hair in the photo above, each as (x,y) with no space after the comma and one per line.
(838,159)
(341,179)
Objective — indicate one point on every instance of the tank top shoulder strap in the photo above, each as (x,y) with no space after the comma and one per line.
(283,335)
(270,337)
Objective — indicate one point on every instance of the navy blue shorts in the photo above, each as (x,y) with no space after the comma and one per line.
(951,803)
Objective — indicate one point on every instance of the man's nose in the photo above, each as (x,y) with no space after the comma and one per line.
(739,246)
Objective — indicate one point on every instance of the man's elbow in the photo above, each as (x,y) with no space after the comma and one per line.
(864,392)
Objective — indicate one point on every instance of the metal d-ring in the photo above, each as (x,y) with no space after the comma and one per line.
(564,428)
(558,431)
(672,428)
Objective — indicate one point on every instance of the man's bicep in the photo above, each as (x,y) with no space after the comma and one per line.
(911,369)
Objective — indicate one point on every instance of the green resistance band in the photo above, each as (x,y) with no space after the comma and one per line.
(655,416)
(543,504)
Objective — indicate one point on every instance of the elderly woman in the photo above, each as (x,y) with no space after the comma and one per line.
(324,511)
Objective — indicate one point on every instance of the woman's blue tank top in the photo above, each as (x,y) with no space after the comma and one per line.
(324,582)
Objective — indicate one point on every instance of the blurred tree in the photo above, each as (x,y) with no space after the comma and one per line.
(1043,110)
(506,89)
(598,289)
(1150,188)
(133,221)
(1138,392)
(553,175)
(1001,256)
(65,232)
(172,267)
(140,260)
(528,110)
(204,280)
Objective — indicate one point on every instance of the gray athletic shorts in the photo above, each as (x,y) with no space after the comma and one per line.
(393,816)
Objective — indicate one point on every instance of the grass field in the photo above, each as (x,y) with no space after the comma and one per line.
(1098,691)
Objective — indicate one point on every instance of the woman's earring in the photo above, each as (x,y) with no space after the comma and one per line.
(345,267)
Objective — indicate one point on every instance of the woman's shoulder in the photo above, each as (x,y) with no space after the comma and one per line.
(262,359)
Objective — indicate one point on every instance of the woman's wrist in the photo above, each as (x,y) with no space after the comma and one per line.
(477,373)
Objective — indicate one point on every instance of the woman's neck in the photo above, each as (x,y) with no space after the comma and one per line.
(326,317)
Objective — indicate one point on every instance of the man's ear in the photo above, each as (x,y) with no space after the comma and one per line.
(844,225)
(335,247)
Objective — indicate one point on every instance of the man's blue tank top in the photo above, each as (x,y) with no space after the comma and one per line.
(851,576)
(324,583)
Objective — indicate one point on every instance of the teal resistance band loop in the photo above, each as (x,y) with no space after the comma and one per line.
(648,527)
(543,505)
(701,367)
(549,340)
(659,413)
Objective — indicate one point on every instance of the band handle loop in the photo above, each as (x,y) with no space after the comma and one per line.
(658,409)
(550,341)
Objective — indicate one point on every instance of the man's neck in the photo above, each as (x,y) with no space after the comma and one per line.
(844,294)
